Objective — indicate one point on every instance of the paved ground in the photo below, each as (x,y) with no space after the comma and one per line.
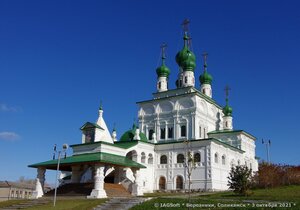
(121,203)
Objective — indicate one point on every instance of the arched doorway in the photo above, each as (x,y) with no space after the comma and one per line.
(162,183)
(179,183)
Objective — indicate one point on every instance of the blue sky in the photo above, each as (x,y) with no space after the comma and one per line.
(58,59)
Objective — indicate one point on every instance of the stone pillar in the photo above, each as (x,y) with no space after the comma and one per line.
(137,188)
(75,178)
(39,183)
(98,191)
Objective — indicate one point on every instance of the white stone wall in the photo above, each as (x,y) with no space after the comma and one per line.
(198,115)
(162,84)
(188,79)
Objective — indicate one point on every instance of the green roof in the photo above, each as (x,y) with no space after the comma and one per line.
(208,139)
(90,125)
(232,131)
(205,78)
(119,144)
(163,70)
(185,58)
(129,135)
(100,157)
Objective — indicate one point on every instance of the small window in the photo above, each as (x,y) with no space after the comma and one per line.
(239,162)
(180,158)
(216,158)
(89,135)
(143,158)
(223,160)
(162,133)
(197,158)
(203,91)
(226,123)
(185,79)
(150,159)
(163,159)
(150,134)
(183,131)
(170,132)
(159,85)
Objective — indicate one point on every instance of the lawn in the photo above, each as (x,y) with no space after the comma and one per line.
(288,198)
(10,202)
(71,204)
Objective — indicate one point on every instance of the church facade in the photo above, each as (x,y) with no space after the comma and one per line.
(183,139)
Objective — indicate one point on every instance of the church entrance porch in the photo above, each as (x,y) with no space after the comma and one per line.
(101,167)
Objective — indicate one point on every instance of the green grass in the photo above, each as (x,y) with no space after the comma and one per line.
(10,202)
(289,195)
(70,204)
(285,193)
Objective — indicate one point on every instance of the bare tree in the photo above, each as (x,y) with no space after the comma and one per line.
(189,165)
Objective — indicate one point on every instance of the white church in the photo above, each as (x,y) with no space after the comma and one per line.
(180,132)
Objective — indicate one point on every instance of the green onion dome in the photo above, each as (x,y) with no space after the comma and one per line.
(163,70)
(205,78)
(128,135)
(186,58)
(227,110)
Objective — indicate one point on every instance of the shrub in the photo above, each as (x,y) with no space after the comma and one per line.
(274,175)
(240,179)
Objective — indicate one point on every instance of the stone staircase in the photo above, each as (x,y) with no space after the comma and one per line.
(115,190)
(120,203)
(85,189)
(72,189)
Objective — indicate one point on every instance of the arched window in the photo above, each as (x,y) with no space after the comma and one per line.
(150,159)
(170,132)
(162,133)
(132,155)
(143,157)
(223,160)
(162,183)
(150,134)
(216,158)
(163,159)
(180,158)
(197,158)
(183,131)
(179,183)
